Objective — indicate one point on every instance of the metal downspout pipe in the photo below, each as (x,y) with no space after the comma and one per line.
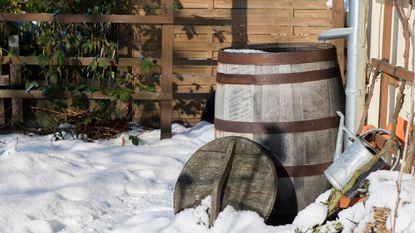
(356,63)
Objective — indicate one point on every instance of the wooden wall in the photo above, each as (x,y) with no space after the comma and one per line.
(204,26)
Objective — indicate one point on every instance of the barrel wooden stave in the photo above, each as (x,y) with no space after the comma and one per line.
(257,69)
(306,186)
(277,103)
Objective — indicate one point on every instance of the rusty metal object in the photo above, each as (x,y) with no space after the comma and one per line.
(302,171)
(276,127)
(267,79)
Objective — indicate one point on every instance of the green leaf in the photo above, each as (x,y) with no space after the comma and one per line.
(59,57)
(125,97)
(147,65)
(127,90)
(11,54)
(104,63)
(144,88)
(87,120)
(129,77)
(77,94)
(176,6)
(81,87)
(93,65)
(43,61)
(76,42)
(53,78)
(93,89)
(134,139)
(67,42)
(87,47)
(114,97)
(31,85)
(56,12)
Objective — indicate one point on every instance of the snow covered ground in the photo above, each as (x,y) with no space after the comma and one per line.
(74,186)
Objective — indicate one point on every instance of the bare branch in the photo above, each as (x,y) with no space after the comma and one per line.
(368,99)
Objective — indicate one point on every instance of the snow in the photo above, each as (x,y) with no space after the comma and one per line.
(382,194)
(75,186)
(329,4)
(312,215)
(111,186)
(244,51)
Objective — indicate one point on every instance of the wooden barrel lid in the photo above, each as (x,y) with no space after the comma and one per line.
(251,184)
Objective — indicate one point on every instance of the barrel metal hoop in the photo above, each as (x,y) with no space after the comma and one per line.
(277,127)
(302,170)
(286,58)
(278,78)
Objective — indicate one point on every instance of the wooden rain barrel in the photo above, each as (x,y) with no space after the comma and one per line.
(285,97)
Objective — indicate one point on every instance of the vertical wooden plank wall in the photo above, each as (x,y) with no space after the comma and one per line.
(386,47)
(16,80)
(338,17)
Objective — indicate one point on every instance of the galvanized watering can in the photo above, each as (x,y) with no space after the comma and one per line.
(359,153)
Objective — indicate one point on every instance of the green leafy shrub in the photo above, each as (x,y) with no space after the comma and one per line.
(54,42)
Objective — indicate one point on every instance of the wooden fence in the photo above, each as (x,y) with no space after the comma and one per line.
(164,96)
(201,27)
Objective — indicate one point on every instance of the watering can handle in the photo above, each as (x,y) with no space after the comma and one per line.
(380,130)
(339,142)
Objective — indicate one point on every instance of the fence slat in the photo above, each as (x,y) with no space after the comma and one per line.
(167,76)
(71,61)
(15,81)
(386,46)
(2,112)
(339,22)
(255,4)
(38,94)
(231,13)
(256,21)
(81,18)
(3,79)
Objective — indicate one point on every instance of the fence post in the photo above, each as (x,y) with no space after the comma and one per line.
(386,47)
(166,106)
(15,80)
(4,82)
(123,108)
